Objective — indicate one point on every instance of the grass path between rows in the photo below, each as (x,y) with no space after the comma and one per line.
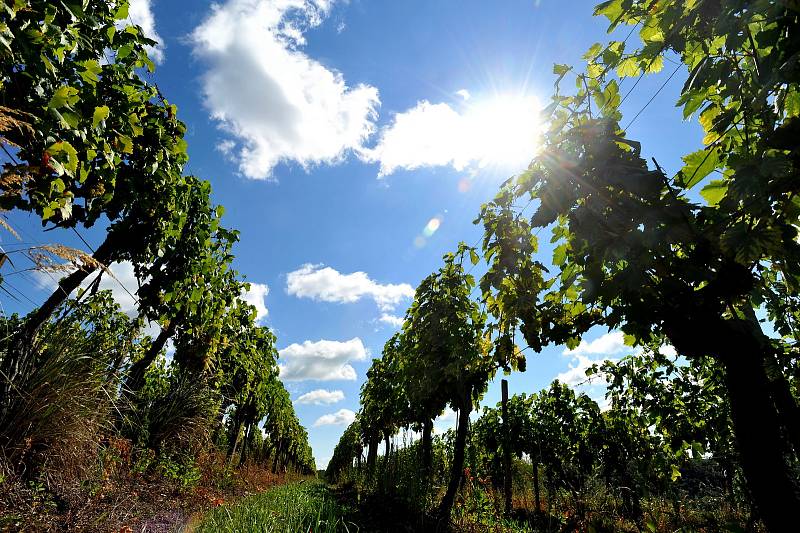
(306,506)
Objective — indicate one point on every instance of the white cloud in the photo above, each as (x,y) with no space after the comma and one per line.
(463,93)
(668,350)
(120,280)
(322,360)
(597,352)
(277,103)
(392,320)
(602,402)
(576,374)
(502,131)
(446,421)
(141,13)
(608,343)
(255,297)
(321,397)
(123,284)
(427,135)
(594,386)
(342,417)
(328,285)
(226,148)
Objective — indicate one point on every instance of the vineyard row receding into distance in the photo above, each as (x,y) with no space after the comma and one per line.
(100,430)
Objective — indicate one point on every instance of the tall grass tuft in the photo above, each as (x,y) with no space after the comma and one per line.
(176,413)
(54,419)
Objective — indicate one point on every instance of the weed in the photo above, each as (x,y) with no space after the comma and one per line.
(304,506)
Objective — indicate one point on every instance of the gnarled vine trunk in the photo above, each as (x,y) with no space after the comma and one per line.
(788,410)
(135,380)
(536,495)
(755,415)
(372,455)
(278,450)
(238,419)
(457,468)
(427,448)
(248,434)
(761,447)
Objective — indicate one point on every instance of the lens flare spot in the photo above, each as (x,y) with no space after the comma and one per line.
(432,225)
(464,185)
(419,241)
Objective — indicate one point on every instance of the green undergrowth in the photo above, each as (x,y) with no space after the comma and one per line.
(297,507)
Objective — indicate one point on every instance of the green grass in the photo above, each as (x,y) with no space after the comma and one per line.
(297,507)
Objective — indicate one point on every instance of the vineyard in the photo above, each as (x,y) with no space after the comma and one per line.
(87,401)
(177,416)
(701,429)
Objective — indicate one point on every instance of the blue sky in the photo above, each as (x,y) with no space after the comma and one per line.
(352,144)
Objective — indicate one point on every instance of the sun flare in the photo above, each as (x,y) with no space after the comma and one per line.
(505,129)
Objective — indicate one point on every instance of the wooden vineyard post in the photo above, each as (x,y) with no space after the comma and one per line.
(506,449)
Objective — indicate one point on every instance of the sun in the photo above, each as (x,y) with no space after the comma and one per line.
(506,130)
